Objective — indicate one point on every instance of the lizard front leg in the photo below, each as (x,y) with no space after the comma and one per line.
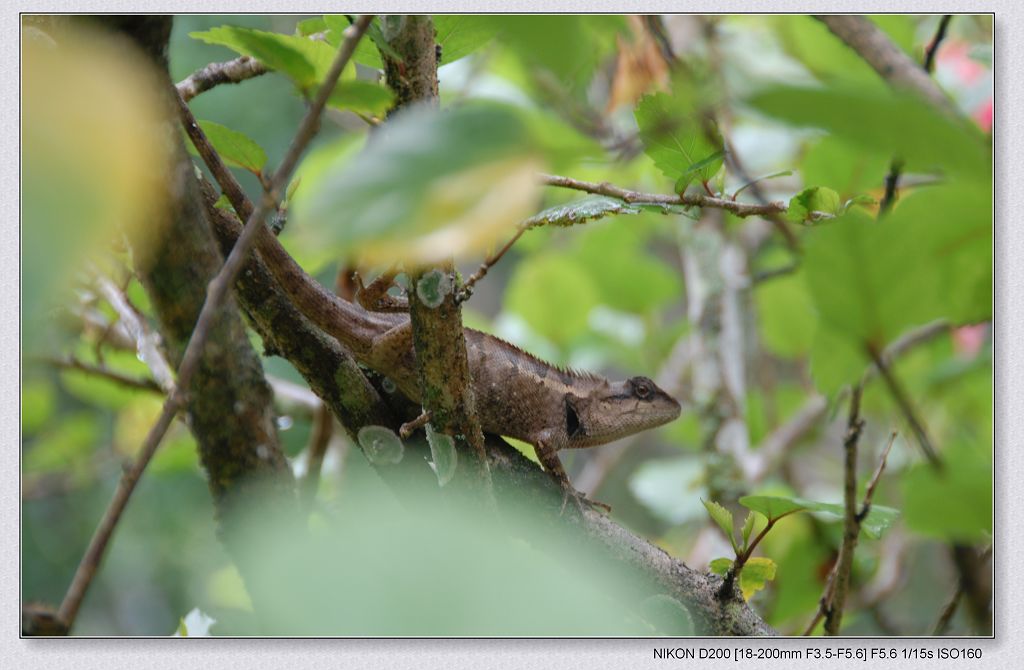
(548,457)
(375,296)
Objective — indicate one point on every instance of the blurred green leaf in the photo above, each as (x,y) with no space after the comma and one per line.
(872,280)
(950,229)
(676,142)
(811,42)
(955,503)
(626,275)
(836,360)
(304,60)
(97,391)
(848,168)
(756,574)
(886,122)
(363,97)
(235,148)
(428,186)
(554,295)
(568,46)
(38,401)
(786,314)
(63,447)
(461,34)
(307,27)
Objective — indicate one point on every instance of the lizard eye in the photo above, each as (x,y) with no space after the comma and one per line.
(641,388)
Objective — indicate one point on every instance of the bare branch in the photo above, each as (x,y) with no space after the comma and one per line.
(214,74)
(72,362)
(696,200)
(887,59)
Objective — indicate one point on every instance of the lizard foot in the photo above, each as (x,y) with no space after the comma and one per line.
(581,501)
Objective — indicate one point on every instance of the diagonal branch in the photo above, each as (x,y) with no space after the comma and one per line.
(696,200)
(887,59)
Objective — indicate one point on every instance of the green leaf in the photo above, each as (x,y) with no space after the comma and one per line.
(950,230)
(676,143)
(554,295)
(461,34)
(885,122)
(361,96)
(772,507)
(786,316)
(930,259)
(756,573)
(814,45)
(307,27)
(235,148)
(304,60)
(836,360)
(748,527)
(803,205)
(878,520)
(626,275)
(568,46)
(443,455)
(366,52)
(720,566)
(581,211)
(381,445)
(431,185)
(722,517)
(848,168)
(956,503)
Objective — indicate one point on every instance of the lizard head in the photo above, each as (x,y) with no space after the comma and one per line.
(615,410)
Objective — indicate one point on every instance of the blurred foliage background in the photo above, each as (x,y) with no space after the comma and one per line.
(753,337)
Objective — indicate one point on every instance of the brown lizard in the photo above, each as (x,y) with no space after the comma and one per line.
(517,395)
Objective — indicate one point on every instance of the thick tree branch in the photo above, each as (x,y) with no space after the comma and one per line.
(887,59)
(438,339)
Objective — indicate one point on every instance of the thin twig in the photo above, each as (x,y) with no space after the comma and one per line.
(933,46)
(695,200)
(892,181)
(907,408)
(467,288)
(72,362)
(216,295)
(851,524)
(869,492)
(946,616)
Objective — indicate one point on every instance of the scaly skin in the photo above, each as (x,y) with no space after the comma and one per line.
(517,395)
